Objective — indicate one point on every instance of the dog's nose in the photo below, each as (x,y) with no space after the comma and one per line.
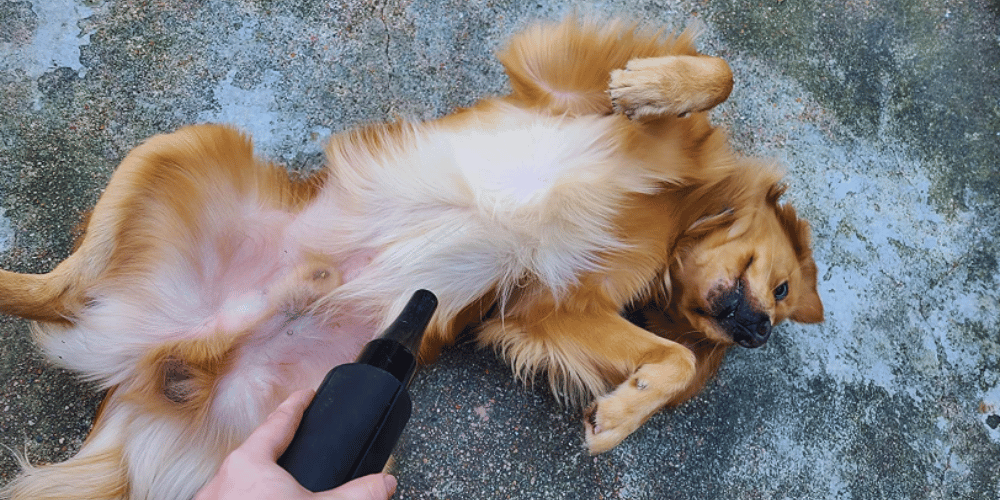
(752,330)
(746,326)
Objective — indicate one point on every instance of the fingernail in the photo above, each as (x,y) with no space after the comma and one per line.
(390,483)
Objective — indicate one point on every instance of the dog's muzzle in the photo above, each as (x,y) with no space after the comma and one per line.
(734,314)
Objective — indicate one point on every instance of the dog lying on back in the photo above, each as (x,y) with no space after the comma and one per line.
(210,284)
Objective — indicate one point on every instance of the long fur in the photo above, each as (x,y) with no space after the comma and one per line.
(210,284)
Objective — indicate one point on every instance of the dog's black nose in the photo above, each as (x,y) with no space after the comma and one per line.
(753,331)
(746,326)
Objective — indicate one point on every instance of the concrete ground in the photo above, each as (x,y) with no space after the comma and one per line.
(887,115)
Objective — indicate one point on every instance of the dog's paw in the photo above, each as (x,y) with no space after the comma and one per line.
(609,420)
(612,417)
(669,86)
(637,92)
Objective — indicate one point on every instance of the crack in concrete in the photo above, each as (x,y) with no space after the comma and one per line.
(388,108)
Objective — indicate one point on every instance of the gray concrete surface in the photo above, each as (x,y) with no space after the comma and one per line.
(887,115)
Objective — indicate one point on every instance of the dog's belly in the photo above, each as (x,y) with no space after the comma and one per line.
(286,352)
(236,289)
(281,297)
(259,287)
(475,203)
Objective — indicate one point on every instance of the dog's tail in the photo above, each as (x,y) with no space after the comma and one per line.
(130,453)
(96,475)
(96,472)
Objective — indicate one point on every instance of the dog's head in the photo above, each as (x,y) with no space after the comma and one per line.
(745,271)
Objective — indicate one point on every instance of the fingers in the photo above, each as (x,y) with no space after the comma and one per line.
(273,436)
(371,487)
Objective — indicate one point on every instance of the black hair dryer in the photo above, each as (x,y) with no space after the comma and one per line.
(352,424)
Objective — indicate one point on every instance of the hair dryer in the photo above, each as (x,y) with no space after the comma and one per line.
(358,413)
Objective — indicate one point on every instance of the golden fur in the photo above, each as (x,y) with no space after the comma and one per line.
(209,284)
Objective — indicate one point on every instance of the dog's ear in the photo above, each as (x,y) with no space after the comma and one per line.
(810,312)
(809,307)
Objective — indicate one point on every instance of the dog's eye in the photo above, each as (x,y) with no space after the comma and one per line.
(781,292)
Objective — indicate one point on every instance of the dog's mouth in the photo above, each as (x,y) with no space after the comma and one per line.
(733,313)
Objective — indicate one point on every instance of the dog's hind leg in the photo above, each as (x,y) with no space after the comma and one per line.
(565,67)
(152,199)
(130,453)
(95,472)
(670,85)
(42,297)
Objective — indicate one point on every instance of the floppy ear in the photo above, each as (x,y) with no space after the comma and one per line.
(808,307)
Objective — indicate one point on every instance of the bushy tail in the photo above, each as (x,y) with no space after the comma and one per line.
(97,472)
(132,452)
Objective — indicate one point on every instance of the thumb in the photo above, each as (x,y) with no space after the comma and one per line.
(272,437)
(370,487)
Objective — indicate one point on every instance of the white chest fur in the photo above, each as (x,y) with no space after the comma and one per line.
(504,196)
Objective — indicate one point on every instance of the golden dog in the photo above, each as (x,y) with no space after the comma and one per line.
(210,284)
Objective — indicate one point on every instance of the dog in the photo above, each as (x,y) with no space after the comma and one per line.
(591,226)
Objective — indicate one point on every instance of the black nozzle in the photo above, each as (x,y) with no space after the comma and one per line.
(408,329)
(396,348)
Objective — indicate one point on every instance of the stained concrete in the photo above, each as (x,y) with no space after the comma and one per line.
(886,115)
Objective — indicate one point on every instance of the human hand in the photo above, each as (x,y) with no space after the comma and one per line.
(250,472)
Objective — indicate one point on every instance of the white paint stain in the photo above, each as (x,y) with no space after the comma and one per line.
(253,110)
(55,43)
(275,132)
(255,104)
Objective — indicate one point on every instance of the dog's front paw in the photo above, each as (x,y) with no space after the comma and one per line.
(608,421)
(612,417)
(669,86)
